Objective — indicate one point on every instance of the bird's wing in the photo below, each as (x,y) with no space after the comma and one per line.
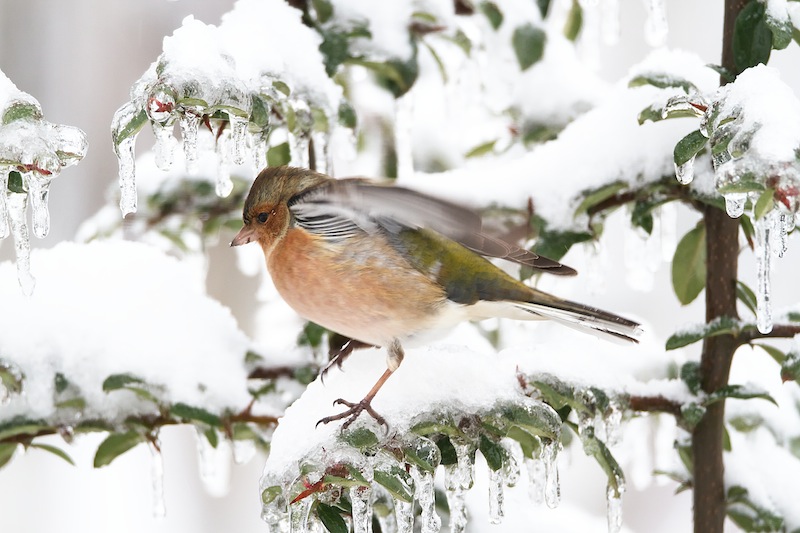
(341,208)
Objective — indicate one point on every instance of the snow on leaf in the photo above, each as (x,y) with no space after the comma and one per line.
(719,326)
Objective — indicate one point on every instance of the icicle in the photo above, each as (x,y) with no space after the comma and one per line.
(274,507)
(612,424)
(614,508)
(404,514)
(165,144)
(511,468)
(239,137)
(224,184)
(403,125)
(17,209)
(361,500)
(785,225)
(552,488)
(536,479)
(496,496)
(3,208)
(127,175)
(321,142)
(609,21)
(298,149)
(298,515)
(243,450)
(465,472)
(685,172)
(38,191)
(157,474)
(763,253)
(454,489)
(213,465)
(259,151)
(190,123)
(655,26)
(734,204)
(386,512)
(424,494)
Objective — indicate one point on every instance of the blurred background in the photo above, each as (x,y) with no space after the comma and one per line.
(79,58)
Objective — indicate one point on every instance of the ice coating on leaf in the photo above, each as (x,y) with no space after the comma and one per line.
(38,192)
(165,144)
(536,478)
(3,207)
(190,122)
(404,515)
(157,479)
(685,172)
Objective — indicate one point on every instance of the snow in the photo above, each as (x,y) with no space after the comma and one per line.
(109,308)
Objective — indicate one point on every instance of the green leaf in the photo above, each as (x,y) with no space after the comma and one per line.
(574,22)
(691,414)
(58,452)
(781,32)
(739,392)
(278,155)
(7,450)
(764,203)
(492,452)
(653,113)
(22,426)
(447,450)
(528,42)
(690,374)
(530,444)
(746,184)
(11,378)
(752,37)
(596,196)
(544,6)
(555,244)
(688,147)
(115,445)
(748,515)
(719,326)
(603,456)
(323,9)
(689,265)
(197,414)
(397,482)
(746,295)
(331,518)
(773,352)
(663,81)
(269,494)
(493,13)
(481,149)
(120,381)
(347,115)
(537,419)
(15,183)
(790,368)
(360,438)
(259,115)
(724,73)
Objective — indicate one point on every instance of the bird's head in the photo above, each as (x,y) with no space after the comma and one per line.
(266,213)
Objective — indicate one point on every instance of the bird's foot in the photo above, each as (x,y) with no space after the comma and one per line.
(351,414)
(338,355)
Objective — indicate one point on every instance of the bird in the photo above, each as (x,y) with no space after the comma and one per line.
(388,266)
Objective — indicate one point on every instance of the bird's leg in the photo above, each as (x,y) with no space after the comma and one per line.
(339,353)
(393,362)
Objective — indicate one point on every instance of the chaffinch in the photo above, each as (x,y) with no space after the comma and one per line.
(388,266)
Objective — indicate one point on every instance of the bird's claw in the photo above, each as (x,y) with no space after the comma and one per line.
(355,409)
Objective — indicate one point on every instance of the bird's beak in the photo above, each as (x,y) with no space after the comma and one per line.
(244,236)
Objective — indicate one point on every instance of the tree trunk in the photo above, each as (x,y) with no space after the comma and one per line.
(722,248)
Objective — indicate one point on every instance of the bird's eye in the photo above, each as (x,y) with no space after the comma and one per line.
(262,217)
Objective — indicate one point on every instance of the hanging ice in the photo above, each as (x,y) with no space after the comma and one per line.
(536,479)
(614,509)
(496,496)
(360,499)
(157,478)
(165,144)
(655,26)
(552,488)
(765,229)
(190,123)
(213,464)
(224,185)
(404,514)
(431,523)
(685,172)
(17,208)
(38,189)
(734,204)
(238,127)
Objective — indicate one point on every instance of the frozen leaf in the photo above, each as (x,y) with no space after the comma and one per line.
(597,196)
(196,414)
(690,374)
(21,426)
(747,514)
(528,42)
(689,265)
(397,482)
(688,147)
(739,392)
(663,81)
(492,452)
(764,203)
(331,518)
(360,438)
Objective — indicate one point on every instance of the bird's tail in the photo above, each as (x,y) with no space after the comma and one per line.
(584,318)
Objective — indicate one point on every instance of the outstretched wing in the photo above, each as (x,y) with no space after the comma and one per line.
(346,207)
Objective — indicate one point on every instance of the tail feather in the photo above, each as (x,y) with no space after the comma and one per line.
(585,318)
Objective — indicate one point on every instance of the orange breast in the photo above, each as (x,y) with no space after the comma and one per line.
(361,287)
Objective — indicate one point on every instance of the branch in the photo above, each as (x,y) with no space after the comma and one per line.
(655,404)
(780,331)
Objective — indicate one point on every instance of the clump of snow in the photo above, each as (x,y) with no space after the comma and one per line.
(109,308)
(387,23)
(555,173)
